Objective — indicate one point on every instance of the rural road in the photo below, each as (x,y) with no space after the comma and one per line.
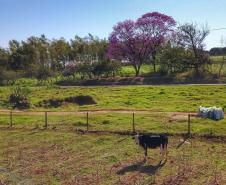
(92,86)
(102,111)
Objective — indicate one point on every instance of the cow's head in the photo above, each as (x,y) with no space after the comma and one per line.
(136,138)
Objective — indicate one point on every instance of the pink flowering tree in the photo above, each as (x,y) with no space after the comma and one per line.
(138,41)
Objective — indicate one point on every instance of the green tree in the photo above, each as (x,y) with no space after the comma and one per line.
(4,58)
(16,55)
(60,53)
(173,59)
(192,37)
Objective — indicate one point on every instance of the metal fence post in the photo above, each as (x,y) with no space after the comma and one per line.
(87,121)
(46,120)
(11,118)
(189,125)
(133,123)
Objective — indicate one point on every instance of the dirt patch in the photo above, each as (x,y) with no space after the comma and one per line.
(181,116)
(79,100)
(178,117)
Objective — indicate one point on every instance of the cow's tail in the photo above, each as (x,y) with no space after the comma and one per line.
(164,143)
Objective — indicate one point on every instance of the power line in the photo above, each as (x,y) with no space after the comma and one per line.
(218,29)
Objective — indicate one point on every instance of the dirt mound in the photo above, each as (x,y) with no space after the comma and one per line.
(79,100)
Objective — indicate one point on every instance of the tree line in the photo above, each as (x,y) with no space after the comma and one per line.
(154,39)
(218,51)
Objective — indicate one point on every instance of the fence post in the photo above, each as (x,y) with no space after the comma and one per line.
(133,123)
(46,120)
(189,125)
(87,121)
(11,118)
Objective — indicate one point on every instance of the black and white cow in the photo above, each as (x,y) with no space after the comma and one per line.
(152,141)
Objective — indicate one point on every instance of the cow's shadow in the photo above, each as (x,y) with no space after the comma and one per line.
(142,168)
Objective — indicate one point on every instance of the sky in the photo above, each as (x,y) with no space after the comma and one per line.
(21,19)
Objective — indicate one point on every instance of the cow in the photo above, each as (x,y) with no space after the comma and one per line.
(152,141)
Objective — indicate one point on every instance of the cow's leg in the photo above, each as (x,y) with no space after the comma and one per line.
(166,152)
(145,154)
(161,151)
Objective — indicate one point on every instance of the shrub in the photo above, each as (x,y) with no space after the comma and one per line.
(70,70)
(19,98)
(51,103)
(106,68)
(43,73)
(105,122)
(7,77)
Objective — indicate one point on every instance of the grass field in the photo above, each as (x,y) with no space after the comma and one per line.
(149,122)
(30,154)
(155,98)
(49,157)
(217,58)
(129,70)
(161,101)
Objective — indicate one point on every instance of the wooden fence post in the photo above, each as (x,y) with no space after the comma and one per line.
(133,123)
(46,120)
(87,121)
(11,118)
(189,125)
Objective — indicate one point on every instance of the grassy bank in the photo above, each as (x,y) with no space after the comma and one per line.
(155,98)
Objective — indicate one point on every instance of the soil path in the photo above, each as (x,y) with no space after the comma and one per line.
(92,86)
(173,115)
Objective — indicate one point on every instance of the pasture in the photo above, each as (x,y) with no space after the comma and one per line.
(157,105)
(30,154)
(51,157)
(175,124)
(172,98)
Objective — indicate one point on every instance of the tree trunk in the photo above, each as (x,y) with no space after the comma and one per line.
(137,70)
(197,74)
(154,66)
(154,58)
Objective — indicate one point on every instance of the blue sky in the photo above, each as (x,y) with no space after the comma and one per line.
(67,18)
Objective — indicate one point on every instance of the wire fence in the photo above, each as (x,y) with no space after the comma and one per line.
(133,122)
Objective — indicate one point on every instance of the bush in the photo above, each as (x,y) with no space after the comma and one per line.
(44,73)
(81,100)
(19,98)
(106,68)
(51,103)
(8,77)
(70,70)
(105,122)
